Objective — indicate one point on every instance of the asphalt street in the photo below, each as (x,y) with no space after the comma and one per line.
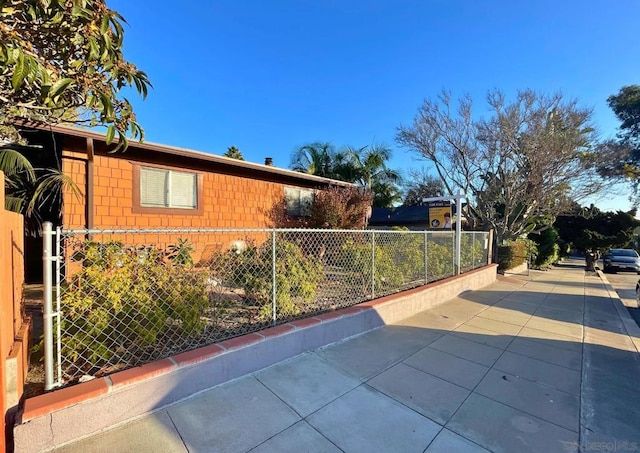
(625,285)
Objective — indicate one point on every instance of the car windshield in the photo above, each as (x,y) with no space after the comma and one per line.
(624,253)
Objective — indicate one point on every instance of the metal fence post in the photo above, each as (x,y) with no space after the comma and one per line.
(455,264)
(273,276)
(458,228)
(426,273)
(473,250)
(47,259)
(373,265)
(57,258)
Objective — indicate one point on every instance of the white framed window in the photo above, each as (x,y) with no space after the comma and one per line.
(162,188)
(298,201)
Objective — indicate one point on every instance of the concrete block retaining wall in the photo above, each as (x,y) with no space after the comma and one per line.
(62,416)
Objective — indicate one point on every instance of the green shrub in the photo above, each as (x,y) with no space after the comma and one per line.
(512,254)
(297,276)
(124,301)
(356,258)
(547,246)
(471,252)
(440,260)
(181,253)
(407,253)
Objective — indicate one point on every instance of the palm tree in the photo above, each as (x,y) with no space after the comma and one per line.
(15,167)
(28,189)
(315,159)
(367,166)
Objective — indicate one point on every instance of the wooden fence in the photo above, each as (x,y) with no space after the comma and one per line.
(14,327)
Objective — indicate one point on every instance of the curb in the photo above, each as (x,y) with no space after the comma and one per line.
(631,328)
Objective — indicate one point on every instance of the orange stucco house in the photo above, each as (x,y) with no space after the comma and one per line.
(153,186)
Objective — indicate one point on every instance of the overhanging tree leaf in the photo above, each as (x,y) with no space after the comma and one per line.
(19,73)
(54,56)
(111,132)
(59,86)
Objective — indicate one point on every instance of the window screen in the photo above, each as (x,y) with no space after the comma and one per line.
(153,187)
(167,189)
(298,201)
(183,190)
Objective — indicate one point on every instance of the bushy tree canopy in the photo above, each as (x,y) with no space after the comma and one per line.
(421,184)
(62,60)
(234,153)
(590,229)
(623,152)
(626,106)
(520,164)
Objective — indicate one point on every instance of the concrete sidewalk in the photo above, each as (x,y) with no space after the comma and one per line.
(544,363)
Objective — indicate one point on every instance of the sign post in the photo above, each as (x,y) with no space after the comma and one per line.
(439,213)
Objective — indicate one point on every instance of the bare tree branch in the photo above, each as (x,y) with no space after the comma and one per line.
(522,164)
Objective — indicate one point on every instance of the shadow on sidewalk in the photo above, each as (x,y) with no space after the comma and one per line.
(484,379)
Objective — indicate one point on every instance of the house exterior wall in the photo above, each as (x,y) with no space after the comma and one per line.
(73,213)
(229,201)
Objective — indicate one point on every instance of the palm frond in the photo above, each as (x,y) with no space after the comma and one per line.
(50,187)
(12,162)
(13,204)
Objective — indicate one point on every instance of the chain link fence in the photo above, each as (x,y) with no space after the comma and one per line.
(127,297)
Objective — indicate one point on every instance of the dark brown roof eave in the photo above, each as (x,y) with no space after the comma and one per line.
(182,152)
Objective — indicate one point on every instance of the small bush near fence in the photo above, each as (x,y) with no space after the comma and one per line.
(143,295)
(512,255)
(297,276)
(547,247)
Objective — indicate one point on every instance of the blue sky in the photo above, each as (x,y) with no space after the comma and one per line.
(270,75)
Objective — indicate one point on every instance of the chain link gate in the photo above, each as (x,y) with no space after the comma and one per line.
(115,298)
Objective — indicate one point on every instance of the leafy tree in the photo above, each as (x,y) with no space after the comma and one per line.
(626,106)
(62,60)
(233,153)
(623,153)
(341,208)
(332,208)
(521,165)
(590,229)
(421,184)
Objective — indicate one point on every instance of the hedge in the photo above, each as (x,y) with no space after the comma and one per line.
(512,255)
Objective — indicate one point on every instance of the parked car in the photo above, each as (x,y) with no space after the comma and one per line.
(621,260)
